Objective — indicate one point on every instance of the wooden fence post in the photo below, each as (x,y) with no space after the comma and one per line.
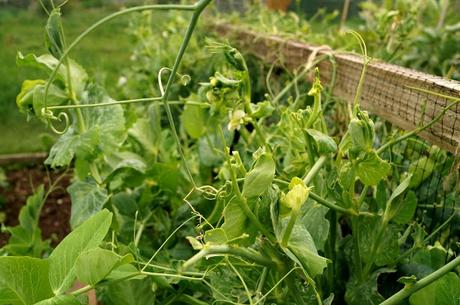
(279,4)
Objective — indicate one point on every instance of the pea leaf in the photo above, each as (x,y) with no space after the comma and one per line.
(361,292)
(392,209)
(324,144)
(23,280)
(215,236)
(87,236)
(388,247)
(48,63)
(445,291)
(60,300)
(421,170)
(26,237)
(88,198)
(314,220)
(260,178)
(372,169)
(31,96)
(56,96)
(70,144)
(96,264)
(104,132)
(134,292)
(301,249)
(194,121)
(236,223)
(405,209)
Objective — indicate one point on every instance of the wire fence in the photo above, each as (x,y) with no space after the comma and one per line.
(396,95)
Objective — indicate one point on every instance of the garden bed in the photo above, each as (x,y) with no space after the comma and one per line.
(21,180)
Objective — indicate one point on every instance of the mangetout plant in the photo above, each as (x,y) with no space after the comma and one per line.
(243,202)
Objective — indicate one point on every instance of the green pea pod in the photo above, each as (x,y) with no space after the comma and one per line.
(54,34)
(358,133)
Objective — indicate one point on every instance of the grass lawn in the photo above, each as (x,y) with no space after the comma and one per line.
(107,49)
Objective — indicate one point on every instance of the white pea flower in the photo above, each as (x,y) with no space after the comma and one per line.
(236,119)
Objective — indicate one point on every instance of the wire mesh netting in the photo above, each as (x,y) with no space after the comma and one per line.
(403,101)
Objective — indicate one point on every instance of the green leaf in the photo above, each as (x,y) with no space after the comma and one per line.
(147,136)
(123,272)
(393,209)
(347,176)
(421,170)
(260,178)
(104,132)
(194,121)
(94,265)
(215,236)
(323,143)
(445,291)
(54,34)
(48,63)
(387,249)
(25,98)
(60,300)
(301,248)
(23,280)
(372,169)
(236,223)
(401,188)
(405,209)
(71,143)
(88,198)
(314,220)
(45,62)
(32,96)
(133,292)
(262,109)
(26,237)
(87,236)
(364,292)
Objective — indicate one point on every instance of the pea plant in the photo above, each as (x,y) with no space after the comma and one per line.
(227,200)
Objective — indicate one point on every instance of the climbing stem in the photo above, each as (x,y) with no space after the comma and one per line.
(241,200)
(287,232)
(409,290)
(247,254)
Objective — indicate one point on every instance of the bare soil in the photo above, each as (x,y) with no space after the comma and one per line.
(21,183)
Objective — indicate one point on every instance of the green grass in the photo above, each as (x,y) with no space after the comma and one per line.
(108,49)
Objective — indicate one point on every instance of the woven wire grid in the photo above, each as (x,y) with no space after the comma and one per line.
(387,95)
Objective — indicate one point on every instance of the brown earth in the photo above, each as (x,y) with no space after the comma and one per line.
(21,182)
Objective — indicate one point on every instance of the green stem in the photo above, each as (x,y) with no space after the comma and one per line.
(332,206)
(297,78)
(287,233)
(314,170)
(242,202)
(356,252)
(104,21)
(126,102)
(407,291)
(260,285)
(417,130)
(229,250)
(330,249)
(374,248)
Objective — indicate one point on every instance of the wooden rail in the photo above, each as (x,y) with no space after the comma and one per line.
(22,158)
(386,91)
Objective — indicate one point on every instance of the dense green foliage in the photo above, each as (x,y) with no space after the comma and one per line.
(213,192)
